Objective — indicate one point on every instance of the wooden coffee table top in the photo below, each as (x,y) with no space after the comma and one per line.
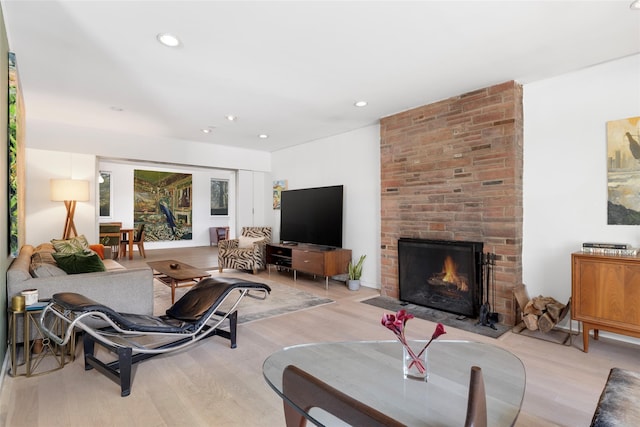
(183,272)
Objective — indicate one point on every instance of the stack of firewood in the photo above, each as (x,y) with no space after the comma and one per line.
(539,313)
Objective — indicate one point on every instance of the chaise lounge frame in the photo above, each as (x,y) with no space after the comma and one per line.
(134,338)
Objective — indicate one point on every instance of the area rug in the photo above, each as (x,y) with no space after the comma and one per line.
(447,319)
(283,299)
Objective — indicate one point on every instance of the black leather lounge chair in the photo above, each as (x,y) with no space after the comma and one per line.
(135,337)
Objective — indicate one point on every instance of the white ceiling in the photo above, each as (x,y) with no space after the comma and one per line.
(291,69)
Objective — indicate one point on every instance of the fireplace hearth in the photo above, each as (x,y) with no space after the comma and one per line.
(441,274)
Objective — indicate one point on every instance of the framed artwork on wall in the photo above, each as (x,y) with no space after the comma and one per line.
(16,160)
(623,171)
(162,202)
(104,188)
(278,187)
(219,197)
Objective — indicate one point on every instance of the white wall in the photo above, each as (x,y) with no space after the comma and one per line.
(565,168)
(44,219)
(351,159)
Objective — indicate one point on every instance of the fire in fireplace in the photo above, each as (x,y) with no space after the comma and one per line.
(441,274)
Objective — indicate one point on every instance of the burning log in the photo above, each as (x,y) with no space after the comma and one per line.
(449,277)
(539,313)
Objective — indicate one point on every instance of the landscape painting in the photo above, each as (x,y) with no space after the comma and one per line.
(16,160)
(623,171)
(163,203)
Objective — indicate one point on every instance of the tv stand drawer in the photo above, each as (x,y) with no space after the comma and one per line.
(308,262)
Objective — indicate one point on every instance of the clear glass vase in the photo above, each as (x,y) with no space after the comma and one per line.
(415,368)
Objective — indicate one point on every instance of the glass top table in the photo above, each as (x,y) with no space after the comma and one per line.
(371,372)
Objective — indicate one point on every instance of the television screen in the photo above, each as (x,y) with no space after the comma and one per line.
(312,215)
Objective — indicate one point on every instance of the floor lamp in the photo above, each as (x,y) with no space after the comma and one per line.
(69,191)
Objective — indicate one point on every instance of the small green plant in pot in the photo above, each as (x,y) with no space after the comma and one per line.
(355,272)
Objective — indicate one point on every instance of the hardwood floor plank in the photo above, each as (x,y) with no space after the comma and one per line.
(212,384)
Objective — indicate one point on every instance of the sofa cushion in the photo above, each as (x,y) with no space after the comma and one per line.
(42,254)
(46,270)
(75,263)
(73,245)
(111,265)
(43,258)
(44,247)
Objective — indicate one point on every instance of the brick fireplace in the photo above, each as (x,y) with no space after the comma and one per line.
(452,170)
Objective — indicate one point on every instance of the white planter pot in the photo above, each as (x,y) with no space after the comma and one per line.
(354,285)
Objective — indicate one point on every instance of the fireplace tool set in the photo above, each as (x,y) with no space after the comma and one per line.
(487,317)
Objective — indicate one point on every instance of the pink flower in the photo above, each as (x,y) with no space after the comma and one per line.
(439,331)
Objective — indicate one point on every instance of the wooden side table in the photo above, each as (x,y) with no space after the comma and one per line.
(50,357)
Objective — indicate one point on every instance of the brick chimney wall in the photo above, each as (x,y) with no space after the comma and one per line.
(453,170)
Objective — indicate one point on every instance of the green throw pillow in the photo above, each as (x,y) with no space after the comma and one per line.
(79,262)
(73,245)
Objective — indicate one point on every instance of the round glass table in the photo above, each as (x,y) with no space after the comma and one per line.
(372,373)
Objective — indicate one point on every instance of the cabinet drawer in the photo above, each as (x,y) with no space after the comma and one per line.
(308,262)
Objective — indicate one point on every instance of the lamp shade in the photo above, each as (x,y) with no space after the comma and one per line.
(69,189)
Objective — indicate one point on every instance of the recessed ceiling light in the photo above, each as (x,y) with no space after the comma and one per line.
(114,108)
(231,118)
(263,136)
(208,130)
(635,5)
(168,39)
(360,103)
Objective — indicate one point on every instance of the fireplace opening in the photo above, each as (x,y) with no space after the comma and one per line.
(441,274)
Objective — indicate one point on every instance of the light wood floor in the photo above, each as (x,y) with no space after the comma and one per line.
(213,385)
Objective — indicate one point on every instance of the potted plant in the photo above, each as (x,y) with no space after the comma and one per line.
(355,271)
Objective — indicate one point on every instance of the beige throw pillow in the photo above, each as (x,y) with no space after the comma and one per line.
(247,242)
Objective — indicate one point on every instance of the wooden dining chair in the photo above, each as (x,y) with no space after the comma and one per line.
(477,401)
(306,392)
(138,240)
(110,236)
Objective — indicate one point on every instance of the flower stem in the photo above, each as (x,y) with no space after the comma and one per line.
(415,360)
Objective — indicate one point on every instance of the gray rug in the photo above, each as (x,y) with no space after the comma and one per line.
(447,319)
(283,299)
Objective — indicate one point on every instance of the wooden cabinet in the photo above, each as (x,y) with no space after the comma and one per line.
(605,294)
(312,259)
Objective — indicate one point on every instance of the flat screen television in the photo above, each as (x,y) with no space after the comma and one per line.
(312,215)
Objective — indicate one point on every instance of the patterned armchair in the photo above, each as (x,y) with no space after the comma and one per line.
(247,252)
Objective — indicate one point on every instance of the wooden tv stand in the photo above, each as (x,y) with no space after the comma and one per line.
(605,294)
(313,259)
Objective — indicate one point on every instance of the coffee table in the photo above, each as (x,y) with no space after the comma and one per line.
(371,372)
(176,274)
